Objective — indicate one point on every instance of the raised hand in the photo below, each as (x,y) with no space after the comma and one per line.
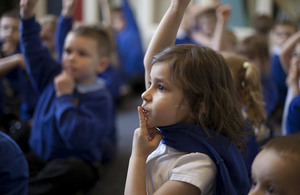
(224,12)
(68,8)
(145,139)
(27,8)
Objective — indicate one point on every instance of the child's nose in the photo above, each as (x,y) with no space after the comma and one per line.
(146,96)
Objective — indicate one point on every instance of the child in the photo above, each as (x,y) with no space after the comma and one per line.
(48,28)
(111,75)
(290,121)
(126,33)
(74,117)
(255,49)
(247,81)
(20,98)
(187,99)
(13,167)
(281,31)
(275,169)
(9,43)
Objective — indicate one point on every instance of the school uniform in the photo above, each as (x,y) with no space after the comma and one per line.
(74,126)
(13,168)
(292,121)
(278,76)
(129,45)
(231,176)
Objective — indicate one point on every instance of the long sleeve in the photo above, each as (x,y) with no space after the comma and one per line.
(41,67)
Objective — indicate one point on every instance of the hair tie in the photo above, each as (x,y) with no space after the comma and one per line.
(246,65)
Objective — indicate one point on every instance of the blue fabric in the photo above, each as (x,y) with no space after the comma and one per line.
(251,152)
(113,81)
(13,168)
(12,76)
(279,77)
(293,118)
(129,45)
(75,125)
(20,84)
(232,177)
(185,40)
(270,94)
(1,97)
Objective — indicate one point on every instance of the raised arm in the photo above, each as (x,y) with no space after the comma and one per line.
(287,49)
(223,14)
(10,62)
(165,34)
(64,25)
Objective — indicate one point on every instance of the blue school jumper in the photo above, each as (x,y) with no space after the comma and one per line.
(129,45)
(20,84)
(13,168)
(64,25)
(279,77)
(232,177)
(70,126)
(293,119)
(270,94)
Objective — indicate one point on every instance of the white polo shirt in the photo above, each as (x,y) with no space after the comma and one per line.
(166,163)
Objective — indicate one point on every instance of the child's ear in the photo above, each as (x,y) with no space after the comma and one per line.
(104,64)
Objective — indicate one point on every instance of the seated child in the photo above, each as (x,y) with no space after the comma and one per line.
(255,49)
(290,121)
(74,119)
(281,31)
(275,169)
(190,124)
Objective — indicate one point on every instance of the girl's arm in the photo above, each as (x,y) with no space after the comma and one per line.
(223,14)
(287,49)
(145,141)
(165,34)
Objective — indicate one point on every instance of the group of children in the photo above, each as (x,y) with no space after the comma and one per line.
(205,112)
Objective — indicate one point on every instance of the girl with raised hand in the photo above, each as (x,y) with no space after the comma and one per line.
(191,127)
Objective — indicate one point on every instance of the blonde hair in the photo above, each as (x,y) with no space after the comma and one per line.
(247,81)
(49,20)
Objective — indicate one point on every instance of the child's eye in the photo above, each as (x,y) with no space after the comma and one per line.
(67,51)
(161,87)
(270,189)
(82,53)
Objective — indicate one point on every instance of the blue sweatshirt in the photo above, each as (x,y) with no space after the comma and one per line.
(293,118)
(70,126)
(13,168)
(129,45)
(232,177)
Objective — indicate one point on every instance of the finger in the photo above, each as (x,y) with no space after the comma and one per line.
(143,122)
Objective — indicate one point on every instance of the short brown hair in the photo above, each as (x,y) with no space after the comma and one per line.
(99,34)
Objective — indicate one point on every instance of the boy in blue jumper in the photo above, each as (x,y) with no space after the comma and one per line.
(74,118)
